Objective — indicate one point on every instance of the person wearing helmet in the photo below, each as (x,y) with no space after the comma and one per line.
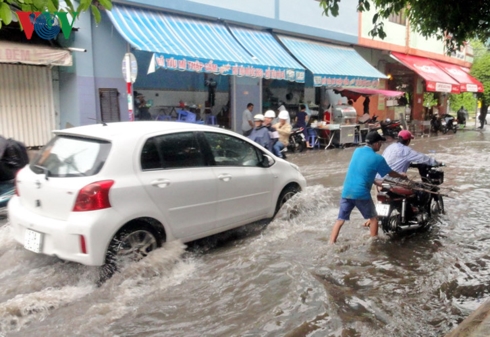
(283,108)
(356,192)
(260,133)
(276,147)
(284,130)
(399,155)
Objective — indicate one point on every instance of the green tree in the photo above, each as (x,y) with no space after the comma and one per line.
(9,7)
(466,99)
(454,21)
(481,70)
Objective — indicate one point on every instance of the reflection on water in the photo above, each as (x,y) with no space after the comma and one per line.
(280,279)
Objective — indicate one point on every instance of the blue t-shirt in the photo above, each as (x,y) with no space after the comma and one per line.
(364,165)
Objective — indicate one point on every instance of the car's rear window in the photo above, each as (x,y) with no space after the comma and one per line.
(66,156)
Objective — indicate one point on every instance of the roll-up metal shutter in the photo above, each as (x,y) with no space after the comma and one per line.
(26,103)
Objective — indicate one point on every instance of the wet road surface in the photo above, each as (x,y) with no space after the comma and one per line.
(281,279)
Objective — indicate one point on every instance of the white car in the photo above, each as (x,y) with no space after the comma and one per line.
(122,189)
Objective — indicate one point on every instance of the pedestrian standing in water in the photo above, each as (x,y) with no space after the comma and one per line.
(363,167)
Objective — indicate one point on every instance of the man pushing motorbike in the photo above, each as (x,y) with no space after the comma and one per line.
(399,155)
(364,166)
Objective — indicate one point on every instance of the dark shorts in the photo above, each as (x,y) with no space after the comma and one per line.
(366,207)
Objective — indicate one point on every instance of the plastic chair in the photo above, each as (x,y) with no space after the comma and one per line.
(186,116)
(161,117)
(312,138)
(210,120)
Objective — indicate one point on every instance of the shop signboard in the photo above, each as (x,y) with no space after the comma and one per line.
(226,68)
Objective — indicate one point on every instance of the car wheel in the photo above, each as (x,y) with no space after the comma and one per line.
(130,244)
(285,195)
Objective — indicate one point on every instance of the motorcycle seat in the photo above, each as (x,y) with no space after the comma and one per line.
(401,190)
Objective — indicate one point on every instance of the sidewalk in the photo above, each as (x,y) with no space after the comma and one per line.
(475,325)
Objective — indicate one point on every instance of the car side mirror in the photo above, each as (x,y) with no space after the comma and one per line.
(267,161)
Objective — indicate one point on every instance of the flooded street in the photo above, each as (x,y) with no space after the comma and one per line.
(282,279)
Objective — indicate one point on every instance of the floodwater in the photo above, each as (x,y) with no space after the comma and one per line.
(280,279)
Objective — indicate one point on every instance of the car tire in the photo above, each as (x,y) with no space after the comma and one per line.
(130,244)
(286,194)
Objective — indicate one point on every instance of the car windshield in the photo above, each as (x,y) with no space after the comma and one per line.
(66,156)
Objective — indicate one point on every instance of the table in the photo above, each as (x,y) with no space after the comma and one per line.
(328,137)
(342,134)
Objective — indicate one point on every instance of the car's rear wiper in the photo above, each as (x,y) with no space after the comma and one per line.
(45,170)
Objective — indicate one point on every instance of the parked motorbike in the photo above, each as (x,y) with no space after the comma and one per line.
(371,120)
(407,205)
(390,128)
(448,123)
(436,124)
(297,141)
(462,118)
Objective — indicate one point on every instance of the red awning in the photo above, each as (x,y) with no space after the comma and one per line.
(355,93)
(467,82)
(436,80)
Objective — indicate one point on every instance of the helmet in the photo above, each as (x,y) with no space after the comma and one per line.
(387,120)
(259,117)
(283,114)
(405,135)
(270,114)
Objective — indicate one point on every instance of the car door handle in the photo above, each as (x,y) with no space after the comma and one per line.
(224,177)
(160,183)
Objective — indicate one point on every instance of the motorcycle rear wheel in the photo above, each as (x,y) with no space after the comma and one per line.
(301,146)
(391,223)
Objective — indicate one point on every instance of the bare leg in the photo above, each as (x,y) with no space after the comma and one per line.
(373,226)
(336,230)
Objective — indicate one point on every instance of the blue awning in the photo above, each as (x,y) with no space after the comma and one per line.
(188,44)
(333,66)
(267,50)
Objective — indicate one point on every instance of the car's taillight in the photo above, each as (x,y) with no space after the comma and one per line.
(93,196)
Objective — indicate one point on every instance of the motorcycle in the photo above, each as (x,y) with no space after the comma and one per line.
(408,205)
(462,118)
(437,124)
(390,128)
(448,123)
(297,141)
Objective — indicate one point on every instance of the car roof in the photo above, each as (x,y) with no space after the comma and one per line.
(112,131)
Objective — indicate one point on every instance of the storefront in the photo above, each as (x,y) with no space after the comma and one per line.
(231,56)
(432,76)
(29,91)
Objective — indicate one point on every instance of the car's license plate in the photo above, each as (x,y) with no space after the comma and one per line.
(382,209)
(455,123)
(33,241)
